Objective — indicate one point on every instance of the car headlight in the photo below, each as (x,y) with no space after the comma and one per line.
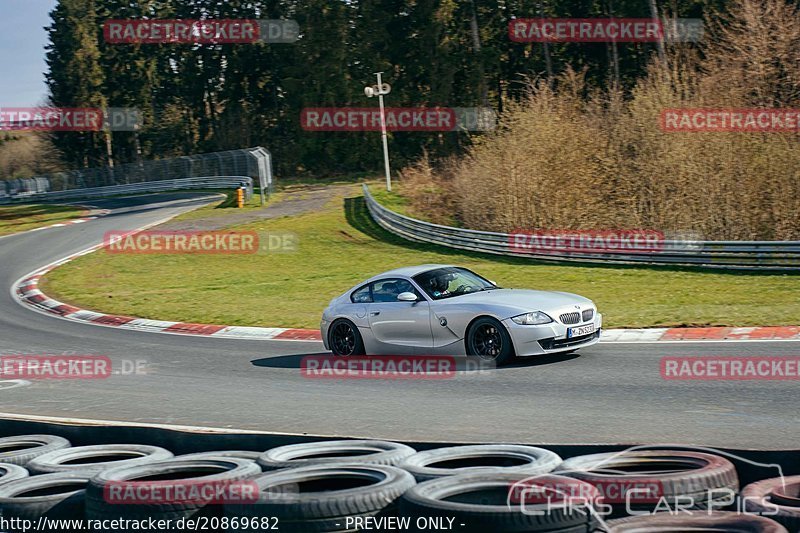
(532,319)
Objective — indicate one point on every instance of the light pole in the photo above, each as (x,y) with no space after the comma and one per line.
(380,90)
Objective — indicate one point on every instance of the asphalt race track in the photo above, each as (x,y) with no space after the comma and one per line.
(609,393)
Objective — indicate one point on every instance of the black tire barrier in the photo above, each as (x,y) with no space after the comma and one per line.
(9,472)
(21,449)
(56,496)
(701,521)
(237,454)
(93,459)
(671,475)
(326,497)
(484,502)
(138,492)
(471,484)
(778,498)
(484,458)
(335,451)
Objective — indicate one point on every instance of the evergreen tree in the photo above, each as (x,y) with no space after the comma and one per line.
(75,77)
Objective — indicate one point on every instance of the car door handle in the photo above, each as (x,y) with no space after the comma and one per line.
(375,313)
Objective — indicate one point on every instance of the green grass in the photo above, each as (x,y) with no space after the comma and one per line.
(18,218)
(226,206)
(287,182)
(390,200)
(341,245)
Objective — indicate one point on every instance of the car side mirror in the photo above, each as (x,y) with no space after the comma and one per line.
(407,297)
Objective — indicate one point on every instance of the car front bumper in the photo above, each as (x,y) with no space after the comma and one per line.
(550,338)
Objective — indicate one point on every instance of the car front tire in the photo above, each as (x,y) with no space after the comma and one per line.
(488,339)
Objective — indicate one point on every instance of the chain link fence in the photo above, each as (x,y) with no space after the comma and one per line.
(253,162)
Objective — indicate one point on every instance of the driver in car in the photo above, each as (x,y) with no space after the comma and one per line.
(439,285)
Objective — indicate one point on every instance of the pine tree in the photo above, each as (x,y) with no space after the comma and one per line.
(75,77)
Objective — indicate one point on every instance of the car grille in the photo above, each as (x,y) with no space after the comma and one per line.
(570,318)
(588,314)
(553,344)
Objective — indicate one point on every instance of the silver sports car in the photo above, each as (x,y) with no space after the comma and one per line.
(448,310)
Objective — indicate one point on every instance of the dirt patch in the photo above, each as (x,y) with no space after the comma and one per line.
(295,202)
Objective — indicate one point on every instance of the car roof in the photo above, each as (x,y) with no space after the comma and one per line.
(409,271)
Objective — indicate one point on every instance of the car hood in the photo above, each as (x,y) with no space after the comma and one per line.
(521,299)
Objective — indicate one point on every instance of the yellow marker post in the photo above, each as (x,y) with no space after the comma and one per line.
(240,198)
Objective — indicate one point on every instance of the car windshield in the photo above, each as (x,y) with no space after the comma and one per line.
(447,282)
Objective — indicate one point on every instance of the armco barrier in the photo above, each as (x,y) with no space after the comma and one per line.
(254,162)
(727,255)
(211,182)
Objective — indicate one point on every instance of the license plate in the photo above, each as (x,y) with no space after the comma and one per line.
(580,331)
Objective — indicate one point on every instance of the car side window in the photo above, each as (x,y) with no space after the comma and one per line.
(406,286)
(387,290)
(361,296)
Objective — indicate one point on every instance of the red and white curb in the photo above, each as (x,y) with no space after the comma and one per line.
(27,292)
(98,214)
(93,214)
(728,334)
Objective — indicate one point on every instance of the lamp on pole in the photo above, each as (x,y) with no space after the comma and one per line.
(380,90)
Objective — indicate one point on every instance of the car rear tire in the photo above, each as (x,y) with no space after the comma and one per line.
(489,340)
(344,338)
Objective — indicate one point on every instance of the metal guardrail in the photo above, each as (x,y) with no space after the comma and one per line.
(254,162)
(726,255)
(211,182)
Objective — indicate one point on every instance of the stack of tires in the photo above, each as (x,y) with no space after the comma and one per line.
(353,485)
(43,476)
(328,486)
